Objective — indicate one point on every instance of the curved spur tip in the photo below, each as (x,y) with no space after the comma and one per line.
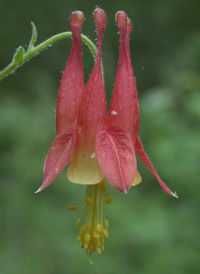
(100,18)
(174,194)
(121,19)
(39,190)
(76,18)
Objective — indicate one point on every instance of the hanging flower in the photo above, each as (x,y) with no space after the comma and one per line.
(98,146)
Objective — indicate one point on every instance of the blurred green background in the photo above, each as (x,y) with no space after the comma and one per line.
(150,232)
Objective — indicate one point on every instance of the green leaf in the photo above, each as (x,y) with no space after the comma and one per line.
(18,56)
(33,37)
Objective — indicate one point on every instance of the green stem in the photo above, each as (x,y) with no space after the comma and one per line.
(31,52)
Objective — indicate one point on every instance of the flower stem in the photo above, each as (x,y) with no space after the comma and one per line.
(33,51)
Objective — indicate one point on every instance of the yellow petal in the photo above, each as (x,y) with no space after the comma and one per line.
(138,179)
(84,169)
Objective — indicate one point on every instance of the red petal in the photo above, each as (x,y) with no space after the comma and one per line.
(92,115)
(116,157)
(93,109)
(60,154)
(140,151)
(124,109)
(72,82)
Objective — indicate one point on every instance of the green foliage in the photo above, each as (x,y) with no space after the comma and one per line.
(18,56)
(150,232)
(33,37)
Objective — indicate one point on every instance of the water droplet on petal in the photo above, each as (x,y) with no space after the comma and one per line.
(113,112)
(93,155)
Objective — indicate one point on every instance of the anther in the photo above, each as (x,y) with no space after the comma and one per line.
(109,200)
(91,248)
(105,232)
(99,251)
(87,238)
(89,201)
(106,224)
(79,238)
(101,238)
(99,228)
(72,207)
(85,245)
(77,223)
(103,186)
(96,234)
(81,230)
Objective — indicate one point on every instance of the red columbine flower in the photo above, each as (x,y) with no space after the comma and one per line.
(98,147)
(116,144)
(69,97)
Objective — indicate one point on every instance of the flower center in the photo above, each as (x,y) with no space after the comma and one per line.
(95,225)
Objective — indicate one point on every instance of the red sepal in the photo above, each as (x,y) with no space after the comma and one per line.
(140,151)
(59,155)
(116,157)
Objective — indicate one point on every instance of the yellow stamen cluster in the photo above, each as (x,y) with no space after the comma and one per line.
(95,225)
(92,238)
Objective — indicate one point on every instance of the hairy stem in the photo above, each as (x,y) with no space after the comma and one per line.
(31,52)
